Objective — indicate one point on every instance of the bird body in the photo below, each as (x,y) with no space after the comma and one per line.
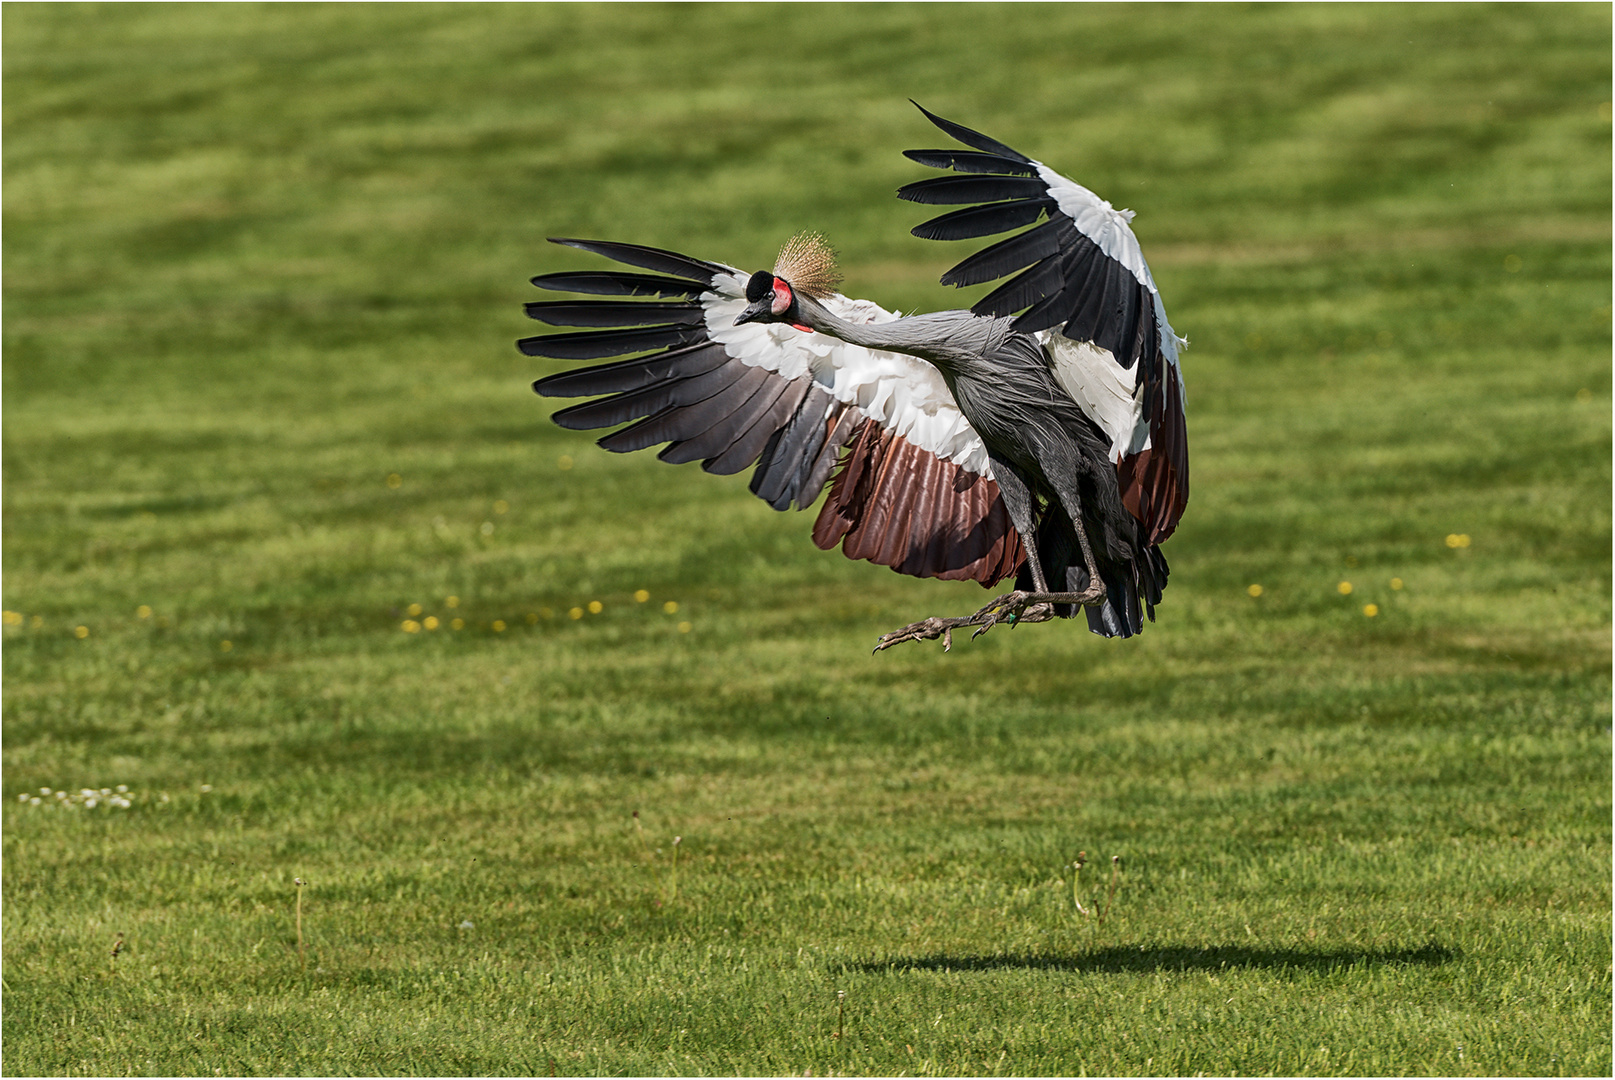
(971,444)
(1041,446)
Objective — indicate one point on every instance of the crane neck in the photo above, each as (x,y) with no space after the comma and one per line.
(949,340)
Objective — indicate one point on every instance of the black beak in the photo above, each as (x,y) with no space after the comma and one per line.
(757,310)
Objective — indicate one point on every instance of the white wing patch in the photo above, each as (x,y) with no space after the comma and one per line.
(1099,221)
(1102,388)
(902,393)
(1112,231)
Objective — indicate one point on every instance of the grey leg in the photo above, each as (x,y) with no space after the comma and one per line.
(1013,607)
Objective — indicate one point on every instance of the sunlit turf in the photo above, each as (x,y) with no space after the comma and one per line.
(267,442)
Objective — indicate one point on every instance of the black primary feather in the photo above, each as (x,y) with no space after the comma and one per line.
(970,137)
(974,221)
(591,345)
(970,161)
(707,427)
(952,190)
(1006,256)
(612,313)
(649,258)
(606,412)
(616,283)
(1023,290)
(635,374)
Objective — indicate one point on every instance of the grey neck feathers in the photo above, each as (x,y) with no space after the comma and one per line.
(950,340)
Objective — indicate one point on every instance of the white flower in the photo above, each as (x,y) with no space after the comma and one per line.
(467,925)
(34,801)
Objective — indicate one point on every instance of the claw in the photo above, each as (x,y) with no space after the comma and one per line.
(1013,608)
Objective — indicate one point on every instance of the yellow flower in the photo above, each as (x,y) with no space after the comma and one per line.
(1396,583)
(641,595)
(143,611)
(1255,590)
(1457,540)
(453,601)
(414,609)
(565,462)
(596,607)
(671,606)
(394,480)
(684,628)
(225,646)
(575,613)
(430,622)
(410,626)
(501,507)
(13,618)
(499,626)
(1345,588)
(81,632)
(457,624)
(1370,610)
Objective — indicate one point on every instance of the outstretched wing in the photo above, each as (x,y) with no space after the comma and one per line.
(1081,283)
(915,491)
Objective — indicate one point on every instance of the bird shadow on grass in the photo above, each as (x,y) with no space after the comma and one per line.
(1136,960)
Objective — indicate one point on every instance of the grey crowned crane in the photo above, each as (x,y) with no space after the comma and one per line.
(979,444)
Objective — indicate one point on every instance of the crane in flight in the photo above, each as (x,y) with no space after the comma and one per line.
(1038,434)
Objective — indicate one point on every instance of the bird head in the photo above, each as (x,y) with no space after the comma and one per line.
(771,300)
(806,260)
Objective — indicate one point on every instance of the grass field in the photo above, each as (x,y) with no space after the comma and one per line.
(263,272)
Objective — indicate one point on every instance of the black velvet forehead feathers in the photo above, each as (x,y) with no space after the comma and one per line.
(760,285)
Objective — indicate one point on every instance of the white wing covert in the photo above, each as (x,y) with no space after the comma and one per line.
(915,491)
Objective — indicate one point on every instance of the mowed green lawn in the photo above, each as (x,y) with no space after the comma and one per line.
(263,272)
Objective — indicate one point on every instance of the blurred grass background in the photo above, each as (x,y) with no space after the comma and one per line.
(263,272)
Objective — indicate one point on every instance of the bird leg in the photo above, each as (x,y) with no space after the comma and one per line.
(1014,608)
(1009,608)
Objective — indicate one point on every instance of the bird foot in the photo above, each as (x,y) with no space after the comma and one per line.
(1014,608)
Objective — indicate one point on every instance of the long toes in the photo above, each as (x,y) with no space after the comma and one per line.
(920,631)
